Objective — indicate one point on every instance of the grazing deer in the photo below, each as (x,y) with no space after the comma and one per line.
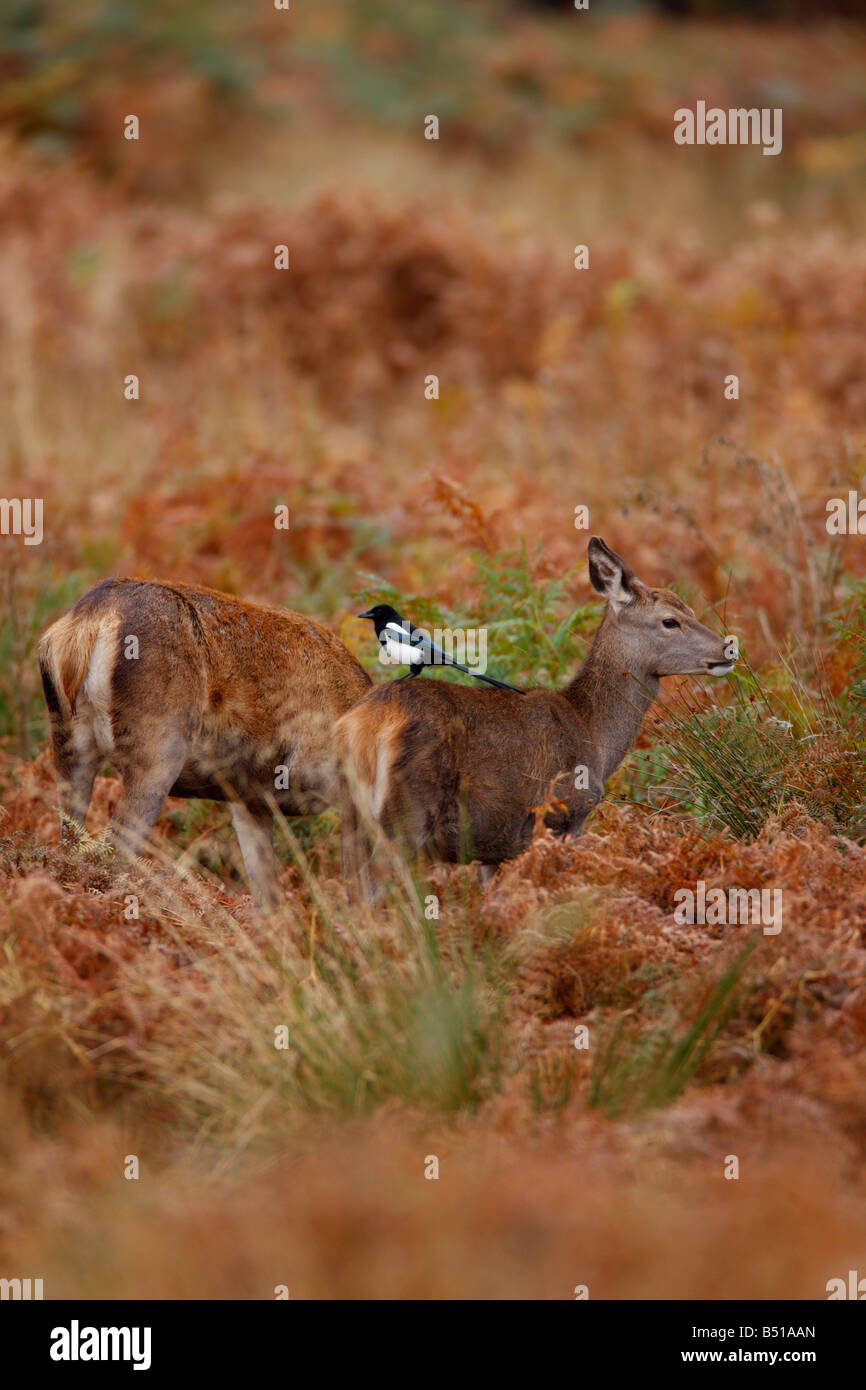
(189,692)
(462,772)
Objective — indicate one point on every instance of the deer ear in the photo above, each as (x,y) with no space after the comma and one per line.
(610,574)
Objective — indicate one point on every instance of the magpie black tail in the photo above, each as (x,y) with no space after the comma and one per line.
(500,685)
(490,680)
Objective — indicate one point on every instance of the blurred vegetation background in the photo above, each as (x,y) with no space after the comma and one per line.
(499,70)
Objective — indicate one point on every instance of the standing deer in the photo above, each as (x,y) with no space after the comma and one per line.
(461,772)
(189,692)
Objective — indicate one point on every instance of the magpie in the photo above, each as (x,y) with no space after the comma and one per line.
(408,645)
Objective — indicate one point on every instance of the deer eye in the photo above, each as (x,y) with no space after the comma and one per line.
(671,622)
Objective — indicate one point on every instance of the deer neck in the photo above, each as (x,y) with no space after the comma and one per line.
(610,698)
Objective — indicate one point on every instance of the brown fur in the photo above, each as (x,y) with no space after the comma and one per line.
(221,694)
(465,772)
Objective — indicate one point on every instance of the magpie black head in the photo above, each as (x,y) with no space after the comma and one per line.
(382,613)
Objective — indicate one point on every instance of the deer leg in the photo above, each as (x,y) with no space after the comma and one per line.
(76,794)
(400,839)
(76,767)
(76,762)
(145,787)
(372,849)
(356,855)
(254,827)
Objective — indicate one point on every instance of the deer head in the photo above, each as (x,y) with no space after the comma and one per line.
(652,631)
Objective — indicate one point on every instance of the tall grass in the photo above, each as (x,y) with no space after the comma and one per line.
(391,1006)
(787,735)
(640,1070)
(231,1036)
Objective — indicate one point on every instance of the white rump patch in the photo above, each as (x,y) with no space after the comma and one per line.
(94,704)
(379,790)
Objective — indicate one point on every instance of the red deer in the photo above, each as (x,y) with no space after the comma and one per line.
(189,692)
(460,771)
